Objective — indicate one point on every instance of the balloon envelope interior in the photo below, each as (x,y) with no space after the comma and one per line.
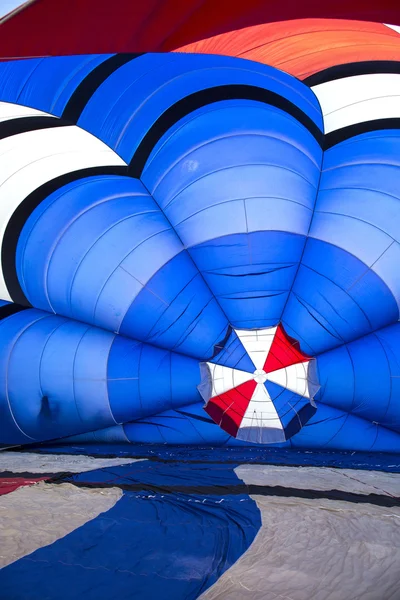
(201,249)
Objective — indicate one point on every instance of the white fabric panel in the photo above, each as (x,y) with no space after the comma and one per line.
(357,99)
(225,378)
(295,379)
(15,111)
(394,27)
(261,411)
(30,159)
(257,344)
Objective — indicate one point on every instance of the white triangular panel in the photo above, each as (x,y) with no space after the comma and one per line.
(225,378)
(394,27)
(257,344)
(293,378)
(261,411)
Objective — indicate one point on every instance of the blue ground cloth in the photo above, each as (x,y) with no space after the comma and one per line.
(152,544)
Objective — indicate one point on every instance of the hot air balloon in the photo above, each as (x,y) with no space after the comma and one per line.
(199,248)
(199,292)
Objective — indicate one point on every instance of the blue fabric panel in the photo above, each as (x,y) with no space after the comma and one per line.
(233,354)
(212,168)
(10,331)
(99,250)
(73,374)
(231,179)
(358,202)
(222,119)
(110,435)
(144,380)
(45,83)
(251,274)
(188,425)
(336,378)
(335,299)
(147,546)
(90,366)
(38,417)
(128,103)
(14,75)
(334,429)
(176,310)
(363,377)
(389,338)
(54,374)
(288,405)
(89,218)
(60,377)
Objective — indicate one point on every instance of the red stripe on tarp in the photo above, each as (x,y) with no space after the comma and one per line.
(10,484)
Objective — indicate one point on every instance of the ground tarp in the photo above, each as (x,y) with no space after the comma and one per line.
(178,527)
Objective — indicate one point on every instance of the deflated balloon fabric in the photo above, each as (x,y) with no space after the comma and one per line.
(157,209)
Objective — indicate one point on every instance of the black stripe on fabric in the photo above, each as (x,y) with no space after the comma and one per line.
(10,309)
(369,67)
(92,82)
(195,417)
(219,346)
(241,488)
(345,133)
(25,124)
(32,475)
(196,100)
(299,420)
(22,213)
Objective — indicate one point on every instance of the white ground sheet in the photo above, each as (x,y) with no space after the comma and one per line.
(322,478)
(21,462)
(318,549)
(37,515)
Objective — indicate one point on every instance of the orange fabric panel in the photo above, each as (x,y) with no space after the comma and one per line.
(305,46)
(214,17)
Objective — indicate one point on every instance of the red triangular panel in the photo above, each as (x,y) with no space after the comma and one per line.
(284,351)
(228,409)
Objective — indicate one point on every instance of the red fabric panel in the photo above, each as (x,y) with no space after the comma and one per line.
(229,424)
(10,484)
(227,409)
(46,27)
(284,351)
